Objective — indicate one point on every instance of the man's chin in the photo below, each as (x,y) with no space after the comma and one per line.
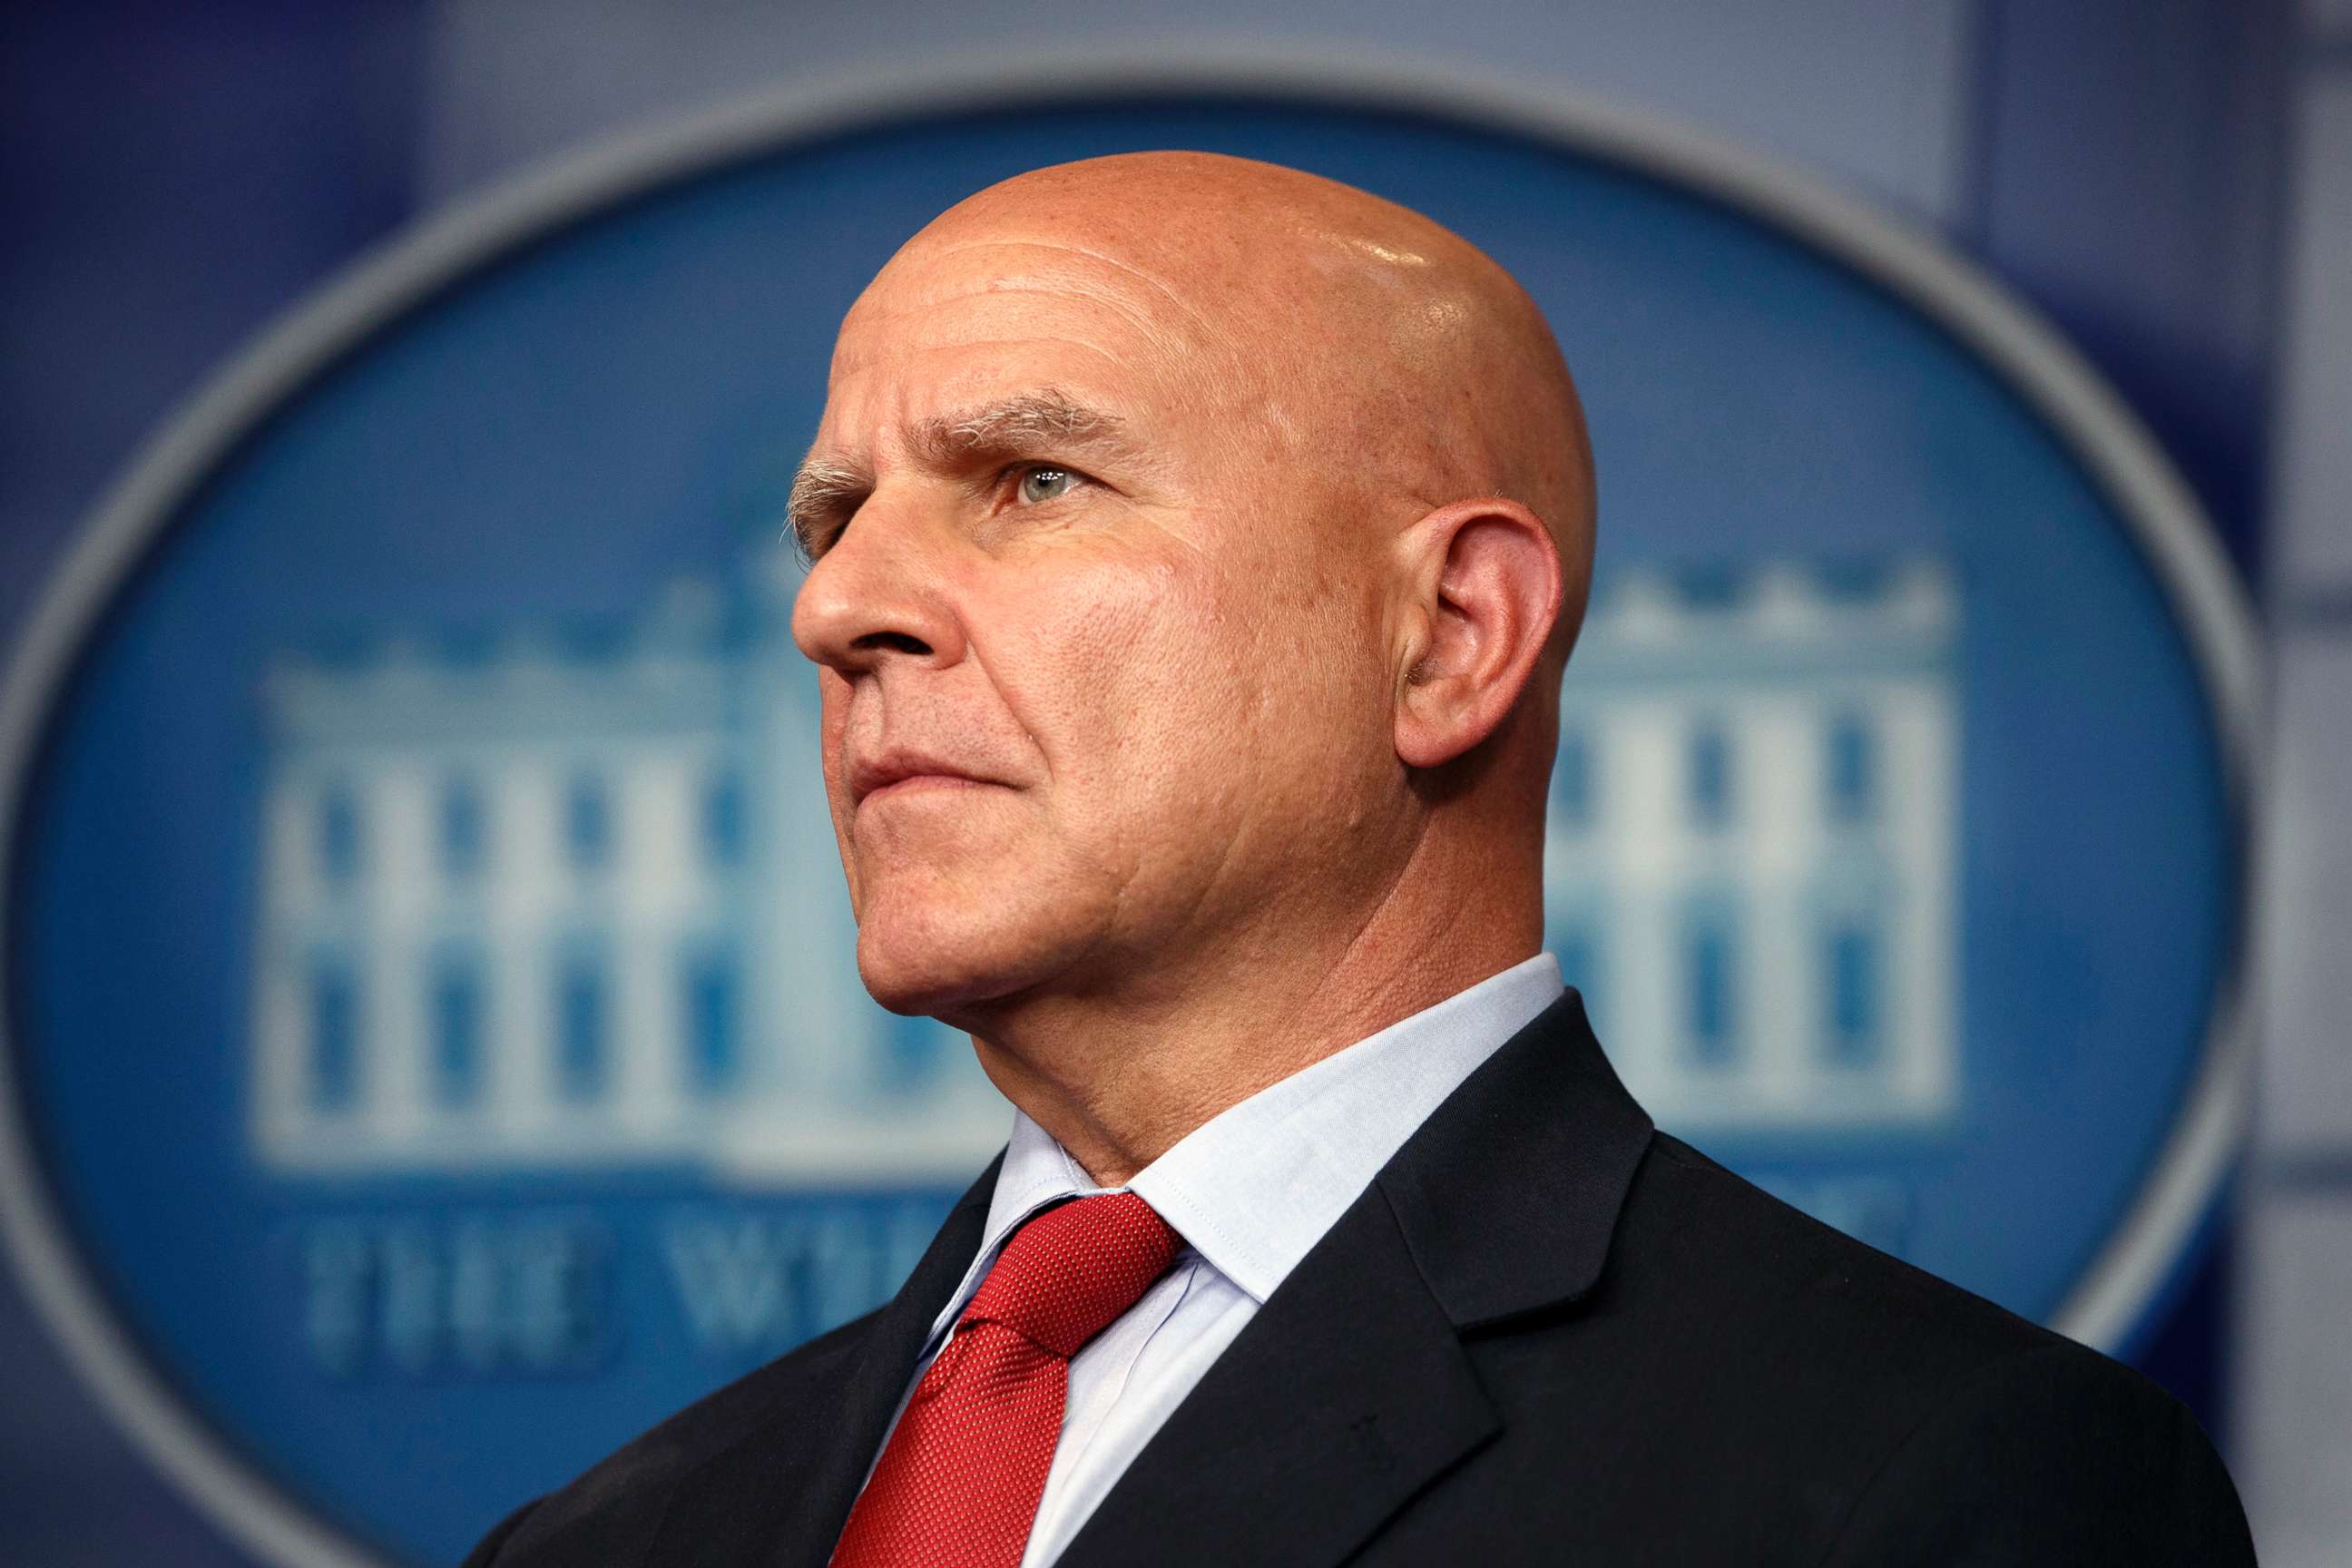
(937,975)
(955,947)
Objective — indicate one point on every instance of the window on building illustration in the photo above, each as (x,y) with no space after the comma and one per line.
(722,818)
(339,833)
(1851,987)
(1851,579)
(462,828)
(1710,988)
(713,1027)
(1850,769)
(582,1026)
(1708,767)
(1571,781)
(334,1036)
(587,822)
(456,1010)
(1709,584)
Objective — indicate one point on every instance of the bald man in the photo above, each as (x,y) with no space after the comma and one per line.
(1197,546)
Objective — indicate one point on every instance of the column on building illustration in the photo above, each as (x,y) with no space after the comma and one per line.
(712,995)
(403,897)
(307,999)
(538,856)
(1854,899)
(664,892)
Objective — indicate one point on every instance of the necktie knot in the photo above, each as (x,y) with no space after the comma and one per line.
(958,1483)
(1070,1273)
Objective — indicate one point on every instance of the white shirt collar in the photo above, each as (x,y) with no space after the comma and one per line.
(1253,1188)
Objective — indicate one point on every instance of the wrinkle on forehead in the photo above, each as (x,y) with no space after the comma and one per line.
(1208,322)
(984,335)
(880,310)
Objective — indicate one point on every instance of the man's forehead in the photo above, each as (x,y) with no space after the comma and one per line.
(1006,353)
(1178,273)
(1034,293)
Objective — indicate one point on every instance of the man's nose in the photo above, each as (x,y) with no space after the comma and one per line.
(878,593)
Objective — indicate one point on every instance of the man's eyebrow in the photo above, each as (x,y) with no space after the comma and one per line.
(823,495)
(1039,424)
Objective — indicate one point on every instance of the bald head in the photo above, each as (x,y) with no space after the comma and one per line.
(1195,547)
(1318,323)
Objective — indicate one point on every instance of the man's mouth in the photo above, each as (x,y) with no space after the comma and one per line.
(902,771)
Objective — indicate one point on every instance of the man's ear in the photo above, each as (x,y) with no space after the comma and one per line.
(1484,581)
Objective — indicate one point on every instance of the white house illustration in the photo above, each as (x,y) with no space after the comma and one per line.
(570,898)
(1750,861)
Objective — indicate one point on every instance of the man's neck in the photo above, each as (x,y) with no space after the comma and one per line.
(1118,1080)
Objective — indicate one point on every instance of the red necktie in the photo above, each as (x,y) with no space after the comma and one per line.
(958,1483)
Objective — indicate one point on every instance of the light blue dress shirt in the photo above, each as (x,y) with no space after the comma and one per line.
(1251,1192)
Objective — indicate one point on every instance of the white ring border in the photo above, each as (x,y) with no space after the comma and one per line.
(2026,354)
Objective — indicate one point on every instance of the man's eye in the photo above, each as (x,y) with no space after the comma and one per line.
(1045,484)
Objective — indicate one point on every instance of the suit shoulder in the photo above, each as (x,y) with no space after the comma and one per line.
(1909,1404)
(1708,1230)
(2051,1455)
(621,1495)
(1820,1327)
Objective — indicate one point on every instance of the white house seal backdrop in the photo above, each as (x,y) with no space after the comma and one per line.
(433,1049)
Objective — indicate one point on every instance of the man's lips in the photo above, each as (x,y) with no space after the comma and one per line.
(896,773)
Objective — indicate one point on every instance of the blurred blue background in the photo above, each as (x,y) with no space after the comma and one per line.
(2169,181)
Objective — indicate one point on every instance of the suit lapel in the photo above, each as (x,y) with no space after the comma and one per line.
(778,1497)
(1350,1391)
(1346,1394)
(1509,1193)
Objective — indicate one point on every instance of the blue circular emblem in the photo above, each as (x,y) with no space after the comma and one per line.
(433,1049)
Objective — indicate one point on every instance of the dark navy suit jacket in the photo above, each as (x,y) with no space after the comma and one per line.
(1546,1334)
